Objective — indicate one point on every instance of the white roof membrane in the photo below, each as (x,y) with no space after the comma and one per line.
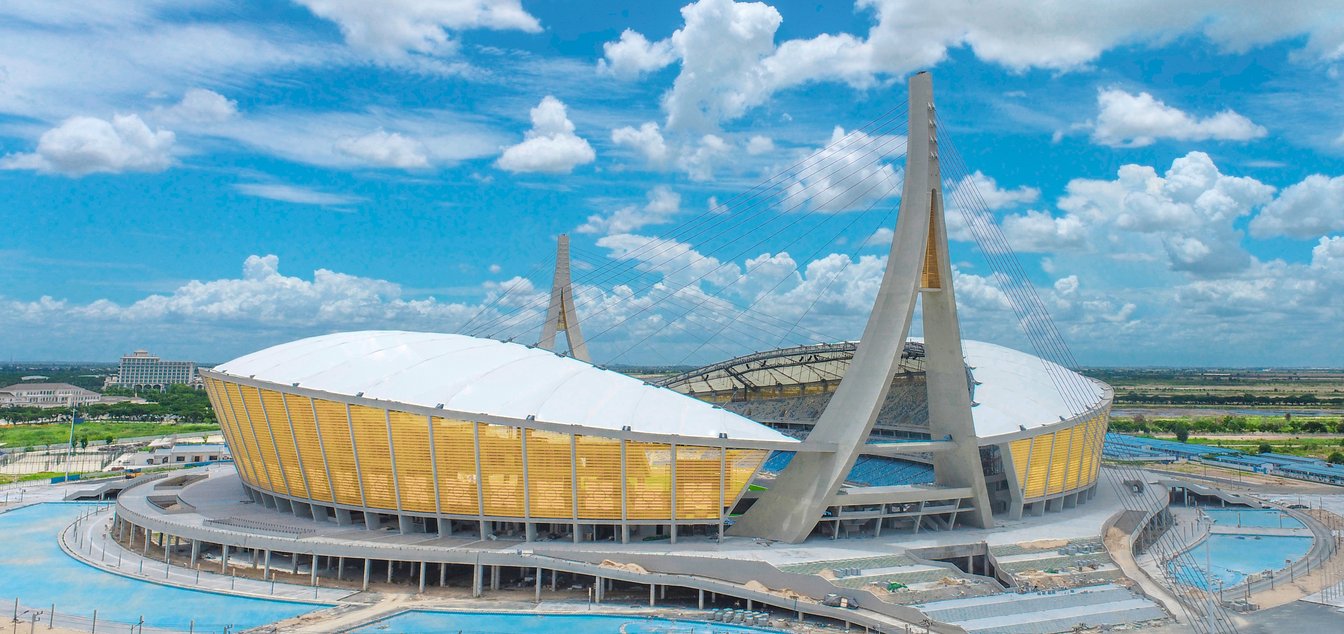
(1020,389)
(484,376)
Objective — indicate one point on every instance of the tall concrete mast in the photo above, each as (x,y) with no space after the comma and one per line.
(917,266)
(561,316)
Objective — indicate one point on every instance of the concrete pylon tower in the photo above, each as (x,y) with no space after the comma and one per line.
(917,267)
(561,315)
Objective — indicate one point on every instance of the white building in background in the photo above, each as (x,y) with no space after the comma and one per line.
(47,395)
(142,369)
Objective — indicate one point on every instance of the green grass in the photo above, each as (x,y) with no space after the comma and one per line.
(1314,447)
(19,436)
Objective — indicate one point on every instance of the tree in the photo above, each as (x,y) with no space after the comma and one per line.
(109,439)
(1264,448)
(1335,458)
(83,442)
(1182,432)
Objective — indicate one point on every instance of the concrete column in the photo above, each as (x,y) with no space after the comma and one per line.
(144,551)
(340,567)
(422,576)
(390,564)
(662,591)
(293,563)
(599,585)
(476,580)
(443,575)
(538,585)
(494,577)
(368,567)
(195,551)
(312,577)
(343,517)
(224,559)
(652,588)
(266,571)
(700,599)
(553,576)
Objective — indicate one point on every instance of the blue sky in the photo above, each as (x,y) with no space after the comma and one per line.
(206,178)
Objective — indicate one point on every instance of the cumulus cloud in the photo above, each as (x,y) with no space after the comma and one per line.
(633,55)
(1188,212)
(1038,231)
(759,144)
(730,62)
(1127,120)
(384,149)
(662,205)
(647,140)
(700,160)
(550,146)
(393,27)
(87,145)
(296,194)
(1310,208)
(847,174)
(202,106)
(1328,253)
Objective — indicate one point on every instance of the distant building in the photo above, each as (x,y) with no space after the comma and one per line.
(140,369)
(47,395)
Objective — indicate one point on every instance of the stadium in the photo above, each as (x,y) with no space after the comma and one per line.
(437,432)
(938,482)
(1036,453)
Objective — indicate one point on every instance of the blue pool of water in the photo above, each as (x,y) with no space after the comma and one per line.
(424,621)
(35,570)
(1253,518)
(1234,557)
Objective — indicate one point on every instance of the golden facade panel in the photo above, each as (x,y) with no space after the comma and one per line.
(316,449)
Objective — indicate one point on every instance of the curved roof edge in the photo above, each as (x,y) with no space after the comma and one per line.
(493,380)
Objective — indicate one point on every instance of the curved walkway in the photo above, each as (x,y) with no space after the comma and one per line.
(87,540)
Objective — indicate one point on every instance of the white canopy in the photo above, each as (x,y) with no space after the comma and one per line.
(484,376)
(1018,390)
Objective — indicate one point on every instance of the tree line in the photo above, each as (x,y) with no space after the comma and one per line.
(178,402)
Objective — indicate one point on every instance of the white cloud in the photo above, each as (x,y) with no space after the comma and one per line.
(392,27)
(721,47)
(647,140)
(296,194)
(1038,231)
(86,145)
(847,174)
(662,205)
(759,144)
(678,262)
(201,106)
(731,63)
(1189,213)
(384,149)
(1310,208)
(880,238)
(550,146)
(1126,120)
(984,189)
(343,140)
(700,162)
(1329,254)
(633,55)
